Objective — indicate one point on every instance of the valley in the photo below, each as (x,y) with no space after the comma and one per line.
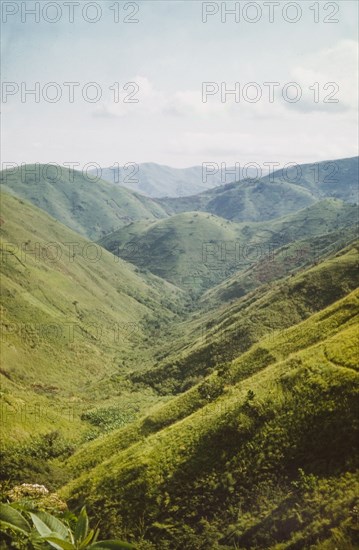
(185,367)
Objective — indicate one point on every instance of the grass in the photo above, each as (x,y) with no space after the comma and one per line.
(277,195)
(215,337)
(71,327)
(197,250)
(284,261)
(237,460)
(89,207)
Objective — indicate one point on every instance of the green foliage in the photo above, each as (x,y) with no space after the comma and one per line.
(10,517)
(270,442)
(108,418)
(211,388)
(305,482)
(36,497)
(50,532)
(35,457)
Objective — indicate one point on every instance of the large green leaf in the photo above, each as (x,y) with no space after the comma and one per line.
(48,525)
(86,541)
(9,517)
(59,543)
(82,526)
(111,545)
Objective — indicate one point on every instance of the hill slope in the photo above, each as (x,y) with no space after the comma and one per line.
(198,250)
(265,457)
(174,249)
(277,195)
(214,338)
(286,260)
(91,208)
(74,317)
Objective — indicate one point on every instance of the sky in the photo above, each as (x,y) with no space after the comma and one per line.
(150,62)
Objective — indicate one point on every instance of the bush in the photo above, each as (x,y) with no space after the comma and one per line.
(109,418)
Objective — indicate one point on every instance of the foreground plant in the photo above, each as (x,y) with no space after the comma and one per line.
(49,532)
(34,497)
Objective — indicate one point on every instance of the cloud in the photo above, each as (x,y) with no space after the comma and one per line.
(254,146)
(337,65)
(138,98)
(333,69)
(151,101)
(189,103)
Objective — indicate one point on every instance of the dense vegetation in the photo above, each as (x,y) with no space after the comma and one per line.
(224,333)
(282,415)
(48,531)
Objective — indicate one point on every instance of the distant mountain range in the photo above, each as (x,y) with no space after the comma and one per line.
(97,208)
(157,180)
(277,195)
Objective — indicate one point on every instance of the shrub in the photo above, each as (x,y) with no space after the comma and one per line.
(47,531)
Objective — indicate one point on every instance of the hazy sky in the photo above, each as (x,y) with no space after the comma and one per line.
(169,53)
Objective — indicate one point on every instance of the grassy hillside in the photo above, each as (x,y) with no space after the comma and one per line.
(336,179)
(276,195)
(265,457)
(74,320)
(173,249)
(270,313)
(92,208)
(197,250)
(213,338)
(244,201)
(284,261)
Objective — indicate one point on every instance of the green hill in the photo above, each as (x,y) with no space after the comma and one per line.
(91,208)
(95,208)
(74,319)
(264,457)
(335,178)
(172,248)
(276,195)
(268,313)
(286,260)
(215,337)
(197,250)
(244,201)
